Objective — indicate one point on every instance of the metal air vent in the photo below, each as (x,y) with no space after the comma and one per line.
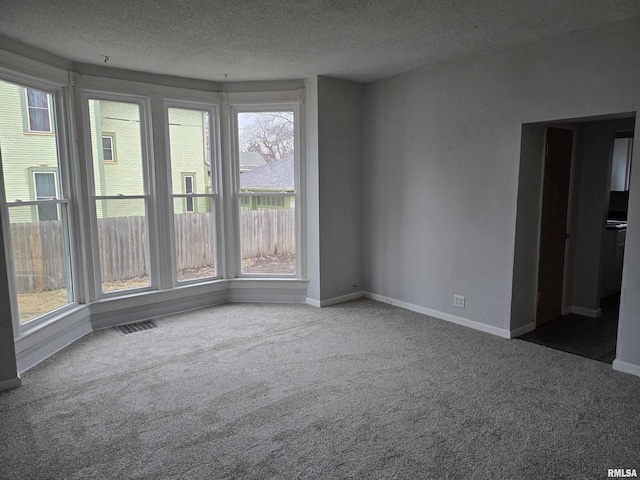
(136,327)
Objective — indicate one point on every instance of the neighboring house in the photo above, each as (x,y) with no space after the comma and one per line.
(115,128)
(29,154)
(28,149)
(274,177)
(251,160)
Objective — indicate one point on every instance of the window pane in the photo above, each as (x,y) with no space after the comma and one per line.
(267,234)
(266,151)
(39,120)
(122,120)
(195,257)
(41,261)
(22,155)
(45,185)
(107,149)
(266,144)
(38,111)
(188,138)
(36,98)
(40,251)
(123,241)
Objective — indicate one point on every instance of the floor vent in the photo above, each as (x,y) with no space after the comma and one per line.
(136,327)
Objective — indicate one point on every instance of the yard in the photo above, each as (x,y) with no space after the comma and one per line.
(32,305)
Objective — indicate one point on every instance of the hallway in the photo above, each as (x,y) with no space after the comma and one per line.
(593,338)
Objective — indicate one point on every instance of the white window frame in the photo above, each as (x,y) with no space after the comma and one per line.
(35,186)
(28,111)
(189,195)
(60,116)
(148,194)
(257,107)
(215,185)
(112,148)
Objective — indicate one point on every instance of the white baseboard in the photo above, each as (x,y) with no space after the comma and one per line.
(313,302)
(10,384)
(334,300)
(267,296)
(626,367)
(465,322)
(32,356)
(516,332)
(586,312)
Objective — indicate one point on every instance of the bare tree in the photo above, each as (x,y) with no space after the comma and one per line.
(268,133)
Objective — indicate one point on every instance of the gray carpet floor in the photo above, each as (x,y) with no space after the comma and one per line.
(358,390)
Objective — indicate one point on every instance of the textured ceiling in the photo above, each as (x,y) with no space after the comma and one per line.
(360,40)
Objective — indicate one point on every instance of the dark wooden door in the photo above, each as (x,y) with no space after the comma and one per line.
(553,228)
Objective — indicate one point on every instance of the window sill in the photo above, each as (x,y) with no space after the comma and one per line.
(37,324)
(29,335)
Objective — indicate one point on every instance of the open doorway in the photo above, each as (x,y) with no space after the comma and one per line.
(583,193)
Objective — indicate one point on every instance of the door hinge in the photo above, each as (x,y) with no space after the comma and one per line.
(546,150)
(538,298)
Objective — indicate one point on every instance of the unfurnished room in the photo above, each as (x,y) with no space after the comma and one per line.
(319,239)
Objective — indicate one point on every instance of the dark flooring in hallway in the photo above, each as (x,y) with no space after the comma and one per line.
(593,338)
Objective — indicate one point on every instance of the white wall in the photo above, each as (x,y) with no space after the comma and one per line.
(442,151)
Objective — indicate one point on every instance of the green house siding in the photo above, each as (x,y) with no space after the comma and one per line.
(187,148)
(257,201)
(22,151)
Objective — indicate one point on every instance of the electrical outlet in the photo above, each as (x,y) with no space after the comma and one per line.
(458,301)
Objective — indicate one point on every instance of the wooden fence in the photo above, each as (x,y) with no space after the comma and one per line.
(268,231)
(38,251)
(38,256)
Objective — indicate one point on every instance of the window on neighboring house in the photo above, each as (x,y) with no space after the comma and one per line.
(45,189)
(271,201)
(188,190)
(108,148)
(38,111)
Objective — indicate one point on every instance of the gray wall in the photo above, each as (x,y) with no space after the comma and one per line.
(334,187)
(442,150)
(628,348)
(525,265)
(340,132)
(8,370)
(313,189)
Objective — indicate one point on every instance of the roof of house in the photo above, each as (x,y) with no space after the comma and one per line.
(251,160)
(278,175)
